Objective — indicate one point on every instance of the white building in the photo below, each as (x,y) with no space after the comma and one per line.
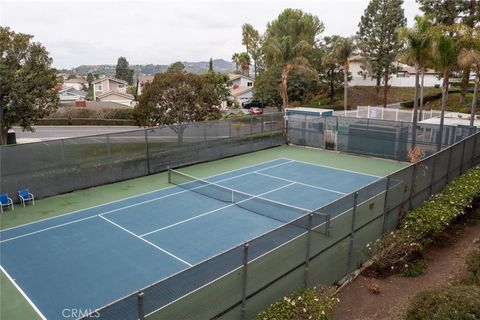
(404,78)
(241,89)
(113,90)
(77,84)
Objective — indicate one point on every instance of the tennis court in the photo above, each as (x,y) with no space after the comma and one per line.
(92,257)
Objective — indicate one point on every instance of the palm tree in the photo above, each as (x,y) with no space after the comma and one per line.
(418,41)
(343,49)
(444,59)
(244,61)
(469,58)
(289,56)
(236,60)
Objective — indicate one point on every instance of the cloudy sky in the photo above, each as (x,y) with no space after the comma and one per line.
(161,32)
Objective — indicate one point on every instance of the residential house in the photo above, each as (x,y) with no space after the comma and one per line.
(404,78)
(241,89)
(77,84)
(70,94)
(142,80)
(113,90)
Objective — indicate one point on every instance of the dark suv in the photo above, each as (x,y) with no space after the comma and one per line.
(252,104)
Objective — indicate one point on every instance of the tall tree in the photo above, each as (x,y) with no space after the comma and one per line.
(469,57)
(236,60)
(123,71)
(283,52)
(177,98)
(449,13)
(90,79)
(220,82)
(244,61)
(378,38)
(27,82)
(444,59)
(210,65)
(176,67)
(252,41)
(343,49)
(418,46)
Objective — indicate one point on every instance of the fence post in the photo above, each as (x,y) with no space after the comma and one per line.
(448,165)
(244,285)
(412,187)
(385,206)
(309,246)
(350,249)
(432,180)
(463,154)
(204,131)
(147,150)
(141,312)
(474,149)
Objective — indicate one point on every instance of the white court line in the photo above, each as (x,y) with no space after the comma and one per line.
(323,166)
(139,195)
(121,208)
(146,241)
(303,184)
(23,294)
(218,209)
(46,229)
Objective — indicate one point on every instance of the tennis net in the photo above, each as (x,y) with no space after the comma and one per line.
(253,203)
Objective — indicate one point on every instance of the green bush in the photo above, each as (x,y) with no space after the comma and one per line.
(414,269)
(473,267)
(425,224)
(446,303)
(315,303)
(126,114)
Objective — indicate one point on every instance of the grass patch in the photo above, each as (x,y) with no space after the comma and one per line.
(414,269)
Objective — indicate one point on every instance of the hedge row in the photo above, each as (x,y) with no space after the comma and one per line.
(85,122)
(92,113)
(426,223)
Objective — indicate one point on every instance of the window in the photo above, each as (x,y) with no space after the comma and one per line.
(98,87)
(249,84)
(120,86)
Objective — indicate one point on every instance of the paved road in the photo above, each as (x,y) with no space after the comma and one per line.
(43,133)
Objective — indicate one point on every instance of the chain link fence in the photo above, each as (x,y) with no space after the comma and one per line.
(53,167)
(320,247)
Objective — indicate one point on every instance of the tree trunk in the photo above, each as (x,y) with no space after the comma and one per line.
(415,106)
(284,85)
(3,136)
(421,95)
(180,131)
(444,105)
(385,89)
(464,90)
(475,99)
(345,90)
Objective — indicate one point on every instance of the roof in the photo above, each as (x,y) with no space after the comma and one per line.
(239,90)
(234,76)
(411,70)
(79,80)
(121,94)
(70,90)
(145,78)
(111,78)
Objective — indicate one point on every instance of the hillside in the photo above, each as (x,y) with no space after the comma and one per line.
(219,65)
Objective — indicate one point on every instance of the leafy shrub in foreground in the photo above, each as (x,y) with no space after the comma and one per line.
(313,303)
(426,223)
(473,266)
(446,303)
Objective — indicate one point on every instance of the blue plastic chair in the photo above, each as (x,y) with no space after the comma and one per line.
(5,201)
(25,196)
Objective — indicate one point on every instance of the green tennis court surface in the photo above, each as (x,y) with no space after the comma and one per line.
(292,177)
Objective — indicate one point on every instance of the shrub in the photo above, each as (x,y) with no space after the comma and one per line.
(425,224)
(473,266)
(414,269)
(315,303)
(125,114)
(446,303)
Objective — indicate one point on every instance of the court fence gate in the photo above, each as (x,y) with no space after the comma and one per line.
(54,167)
(310,250)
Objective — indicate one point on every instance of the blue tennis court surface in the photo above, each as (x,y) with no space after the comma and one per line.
(87,259)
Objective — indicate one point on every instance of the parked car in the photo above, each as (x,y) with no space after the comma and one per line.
(255,111)
(252,104)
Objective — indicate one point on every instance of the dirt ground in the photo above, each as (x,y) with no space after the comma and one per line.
(445,263)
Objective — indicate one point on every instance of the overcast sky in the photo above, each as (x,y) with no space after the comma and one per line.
(162,32)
